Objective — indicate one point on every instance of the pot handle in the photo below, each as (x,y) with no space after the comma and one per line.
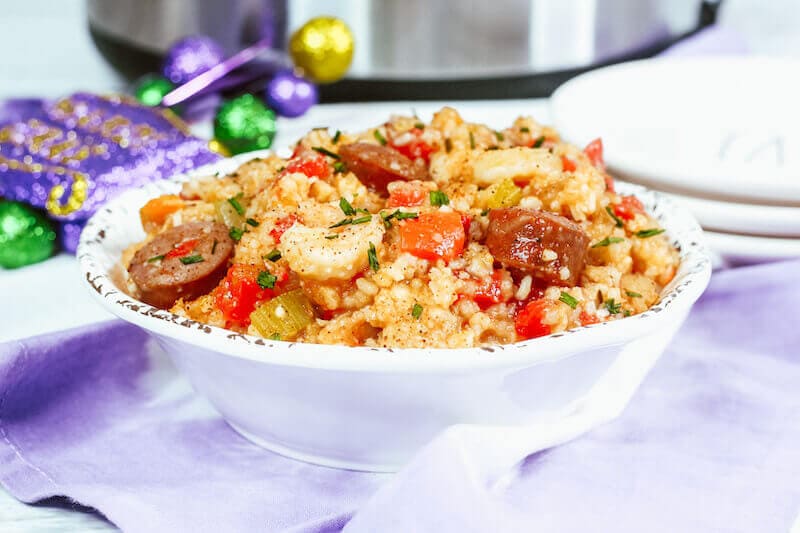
(709,10)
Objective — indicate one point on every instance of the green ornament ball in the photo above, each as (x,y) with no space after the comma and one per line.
(26,236)
(245,124)
(151,89)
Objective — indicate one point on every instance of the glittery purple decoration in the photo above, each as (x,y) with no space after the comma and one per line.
(290,95)
(191,56)
(70,233)
(71,155)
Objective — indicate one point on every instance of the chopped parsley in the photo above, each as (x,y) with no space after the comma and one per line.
(419,126)
(617,220)
(416,311)
(448,145)
(438,198)
(372,254)
(155,258)
(525,129)
(274,255)
(632,294)
(379,137)
(485,212)
(337,136)
(346,207)
(361,220)
(192,259)
(234,201)
(331,237)
(253,222)
(471,141)
(500,136)
(339,167)
(397,215)
(266,280)
(348,221)
(645,233)
(613,307)
(275,337)
(214,246)
(607,241)
(568,299)
(325,151)
(539,142)
(236,234)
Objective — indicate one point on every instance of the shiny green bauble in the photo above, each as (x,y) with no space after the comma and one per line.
(150,90)
(245,124)
(26,236)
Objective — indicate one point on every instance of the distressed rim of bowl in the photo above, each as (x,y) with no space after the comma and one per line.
(96,262)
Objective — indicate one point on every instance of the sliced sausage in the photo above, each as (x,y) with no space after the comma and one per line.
(547,246)
(376,166)
(203,249)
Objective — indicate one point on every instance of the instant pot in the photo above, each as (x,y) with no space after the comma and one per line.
(417,49)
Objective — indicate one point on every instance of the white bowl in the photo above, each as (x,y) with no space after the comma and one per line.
(718,127)
(369,408)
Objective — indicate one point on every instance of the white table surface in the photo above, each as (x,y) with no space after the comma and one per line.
(48,52)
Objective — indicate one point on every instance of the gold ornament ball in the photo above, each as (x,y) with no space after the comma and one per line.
(323,48)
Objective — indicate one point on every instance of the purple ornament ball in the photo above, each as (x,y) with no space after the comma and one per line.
(190,57)
(290,95)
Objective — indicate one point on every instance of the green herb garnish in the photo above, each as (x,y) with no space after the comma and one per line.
(645,233)
(438,198)
(471,141)
(617,220)
(419,126)
(274,255)
(416,311)
(331,237)
(613,307)
(372,254)
(500,136)
(339,167)
(192,259)
(236,234)
(253,222)
(485,212)
(632,294)
(343,222)
(361,220)
(525,129)
(336,136)
(346,207)
(325,151)
(539,142)
(155,258)
(214,246)
(380,138)
(236,205)
(266,280)
(568,299)
(275,337)
(607,241)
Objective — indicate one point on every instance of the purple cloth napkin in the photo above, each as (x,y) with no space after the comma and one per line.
(709,443)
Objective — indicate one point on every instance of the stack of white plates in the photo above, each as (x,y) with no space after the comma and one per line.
(721,135)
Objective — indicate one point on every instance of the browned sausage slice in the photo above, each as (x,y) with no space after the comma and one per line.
(163,279)
(547,246)
(376,166)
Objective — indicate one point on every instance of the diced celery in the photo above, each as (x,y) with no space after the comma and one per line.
(505,194)
(228,215)
(284,317)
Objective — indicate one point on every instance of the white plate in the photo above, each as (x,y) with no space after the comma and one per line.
(734,250)
(722,127)
(748,219)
